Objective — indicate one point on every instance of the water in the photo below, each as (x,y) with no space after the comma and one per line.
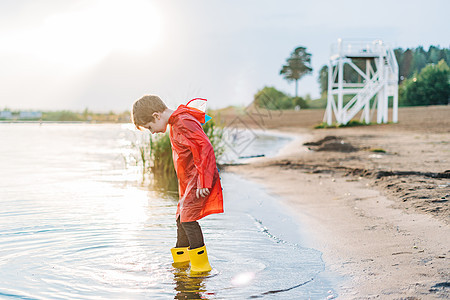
(76,224)
(241,145)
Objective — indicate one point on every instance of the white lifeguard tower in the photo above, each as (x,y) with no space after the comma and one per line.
(371,78)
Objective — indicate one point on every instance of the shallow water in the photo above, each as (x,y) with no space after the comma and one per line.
(244,144)
(76,224)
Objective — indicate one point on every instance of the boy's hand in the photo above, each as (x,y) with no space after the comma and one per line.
(202,192)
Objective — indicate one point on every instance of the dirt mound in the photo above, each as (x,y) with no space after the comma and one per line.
(331,143)
(324,140)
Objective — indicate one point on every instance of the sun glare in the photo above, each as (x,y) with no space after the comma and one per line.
(86,35)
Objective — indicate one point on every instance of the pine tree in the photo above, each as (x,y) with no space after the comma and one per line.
(297,66)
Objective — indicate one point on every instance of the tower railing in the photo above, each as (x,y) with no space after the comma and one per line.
(380,81)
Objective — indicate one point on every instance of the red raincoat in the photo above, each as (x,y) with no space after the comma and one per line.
(195,164)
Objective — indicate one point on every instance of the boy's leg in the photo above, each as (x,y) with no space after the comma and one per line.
(194,234)
(182,239)
(180,252)
(197,251)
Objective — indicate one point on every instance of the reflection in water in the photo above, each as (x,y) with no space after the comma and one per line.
(188,287)
(164,183)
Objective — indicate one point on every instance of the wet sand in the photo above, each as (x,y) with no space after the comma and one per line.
(373,199)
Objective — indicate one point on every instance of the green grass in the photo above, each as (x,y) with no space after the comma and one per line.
(377,150)
(352,123)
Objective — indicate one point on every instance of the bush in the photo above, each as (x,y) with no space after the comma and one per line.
(273,99)
(270,98)
(299,101)
(429,87)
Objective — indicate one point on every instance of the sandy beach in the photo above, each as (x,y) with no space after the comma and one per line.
(373,199)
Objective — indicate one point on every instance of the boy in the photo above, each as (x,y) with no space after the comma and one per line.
(199,185)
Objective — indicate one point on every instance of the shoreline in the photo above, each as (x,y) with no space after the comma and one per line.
(392,254)
(388,235)
(279,226)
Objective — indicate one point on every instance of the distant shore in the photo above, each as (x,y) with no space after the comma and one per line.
(58,122)
(373,199)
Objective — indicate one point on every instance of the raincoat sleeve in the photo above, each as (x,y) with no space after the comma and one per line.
(193,137)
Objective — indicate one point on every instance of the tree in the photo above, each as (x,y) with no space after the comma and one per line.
(429,87)
(297,66)
(434,55)
(419,59)
(399,55)
(323,80)
(405,69)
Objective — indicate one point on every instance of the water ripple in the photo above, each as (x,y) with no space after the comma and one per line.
(80,227)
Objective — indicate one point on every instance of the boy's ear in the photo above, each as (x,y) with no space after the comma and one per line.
(156,115)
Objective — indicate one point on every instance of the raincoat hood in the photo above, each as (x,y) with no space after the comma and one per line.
(196,113)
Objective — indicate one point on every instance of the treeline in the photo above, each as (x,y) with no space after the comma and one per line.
(429,87)
(412,61)
(85,116)
(423,75)
(70,116)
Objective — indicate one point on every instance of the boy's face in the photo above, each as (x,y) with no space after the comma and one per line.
(158,126)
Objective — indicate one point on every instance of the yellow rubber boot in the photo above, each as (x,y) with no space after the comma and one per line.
(180,257)
(199,261)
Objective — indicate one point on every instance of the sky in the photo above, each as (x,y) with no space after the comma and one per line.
(105,54)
